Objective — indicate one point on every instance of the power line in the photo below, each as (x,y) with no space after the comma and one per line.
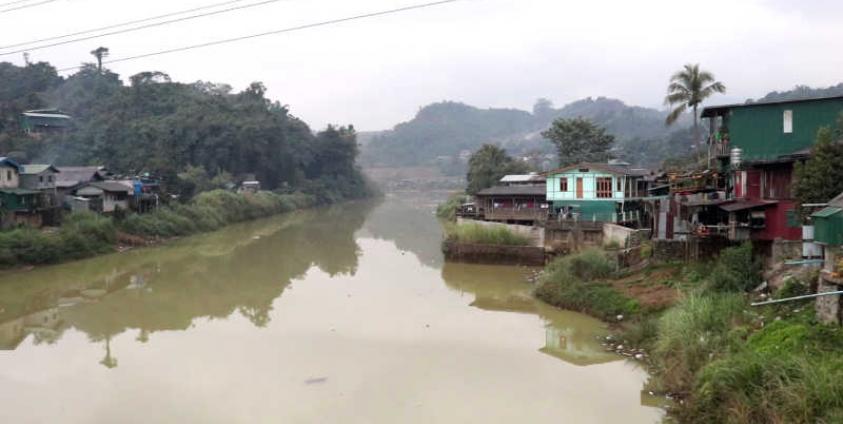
(138,21)
(279,31)
(152,25)
(25,6)
(13,2)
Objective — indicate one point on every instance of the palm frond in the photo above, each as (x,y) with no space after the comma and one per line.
(674,115)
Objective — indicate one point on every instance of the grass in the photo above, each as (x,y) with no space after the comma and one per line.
(727,365)
(85,234)
(212,210)
(573,282)
(481,234)
(448,209)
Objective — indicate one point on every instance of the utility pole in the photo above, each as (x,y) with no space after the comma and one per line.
(100,53)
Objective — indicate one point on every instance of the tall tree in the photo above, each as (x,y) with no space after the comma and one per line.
(100,53)
(688,88)
(579,140)
(820,178)
(488,165)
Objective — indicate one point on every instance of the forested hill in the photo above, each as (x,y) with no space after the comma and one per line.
(801,92)
(198,132)
(443,130)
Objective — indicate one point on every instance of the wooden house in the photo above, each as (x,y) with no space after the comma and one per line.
(597,192)
(521,204)
(106,196)
(757,144)
(44,121)
(20,206)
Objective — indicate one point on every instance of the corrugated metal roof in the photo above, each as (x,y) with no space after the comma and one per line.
(711,110)
(9,162)
(522,178)
(825,213)
(603,167)
(110,186)
(516,190)
(749,204)
(69,176)
(18,191)
(34,169)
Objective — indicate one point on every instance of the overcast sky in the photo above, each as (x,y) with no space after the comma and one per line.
(489,53)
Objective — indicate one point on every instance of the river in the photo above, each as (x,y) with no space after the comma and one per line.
(342,315)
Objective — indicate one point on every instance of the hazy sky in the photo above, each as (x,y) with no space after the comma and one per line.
(489,53)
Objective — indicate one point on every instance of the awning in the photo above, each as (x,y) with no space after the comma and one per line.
(825,213)
(749,204)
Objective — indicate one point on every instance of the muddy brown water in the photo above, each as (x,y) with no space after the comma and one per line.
(347,314)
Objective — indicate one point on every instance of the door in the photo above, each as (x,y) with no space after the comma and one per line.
(579,188)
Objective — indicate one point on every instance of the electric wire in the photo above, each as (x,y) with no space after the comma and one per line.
(275,32)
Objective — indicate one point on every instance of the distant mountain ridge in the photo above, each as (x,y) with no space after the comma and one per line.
(445,129)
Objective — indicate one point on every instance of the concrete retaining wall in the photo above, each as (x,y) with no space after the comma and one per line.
(493,254)
(692,249)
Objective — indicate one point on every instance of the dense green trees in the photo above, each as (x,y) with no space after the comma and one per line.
(688,88)
(820,178)
(488,165)
(198,130)
(579,140)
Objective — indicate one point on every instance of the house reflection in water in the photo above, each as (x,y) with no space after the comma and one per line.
(44,325)
(574,347)
(569,336)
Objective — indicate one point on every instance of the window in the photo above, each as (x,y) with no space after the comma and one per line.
(50,178)
(788,122)
(40,178)
(604,187)
(8,175)
(563,184)
(620,184)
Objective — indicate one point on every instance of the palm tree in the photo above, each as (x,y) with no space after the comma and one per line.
(688,88)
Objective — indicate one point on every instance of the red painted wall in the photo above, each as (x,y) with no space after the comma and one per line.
(776,223)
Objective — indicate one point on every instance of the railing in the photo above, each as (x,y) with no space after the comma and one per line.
(720,149)
(512,214)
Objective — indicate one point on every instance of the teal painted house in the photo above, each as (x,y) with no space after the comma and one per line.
(596,191)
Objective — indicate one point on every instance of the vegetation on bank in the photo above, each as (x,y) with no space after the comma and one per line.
(86,234)
(577,282)
(722,359)
(448,209)
(481,234)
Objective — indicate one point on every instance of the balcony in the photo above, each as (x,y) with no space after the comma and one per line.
(515,214)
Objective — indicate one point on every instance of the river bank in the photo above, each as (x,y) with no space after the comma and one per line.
(86,234)
(718,358)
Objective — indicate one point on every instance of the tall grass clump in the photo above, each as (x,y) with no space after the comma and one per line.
(448,209)
(480,234)
(693,333)
(736,270)
(788,372)
(574,282)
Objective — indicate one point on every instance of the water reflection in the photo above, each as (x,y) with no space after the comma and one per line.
(243,268)
(569,336)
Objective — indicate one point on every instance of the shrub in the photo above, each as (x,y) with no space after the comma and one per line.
(569,283)
(448,209)
(590,264)
(736,270)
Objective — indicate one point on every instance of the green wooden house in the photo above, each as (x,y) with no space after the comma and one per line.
(45,121)
(828,223)
(596,191)
(770,131)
